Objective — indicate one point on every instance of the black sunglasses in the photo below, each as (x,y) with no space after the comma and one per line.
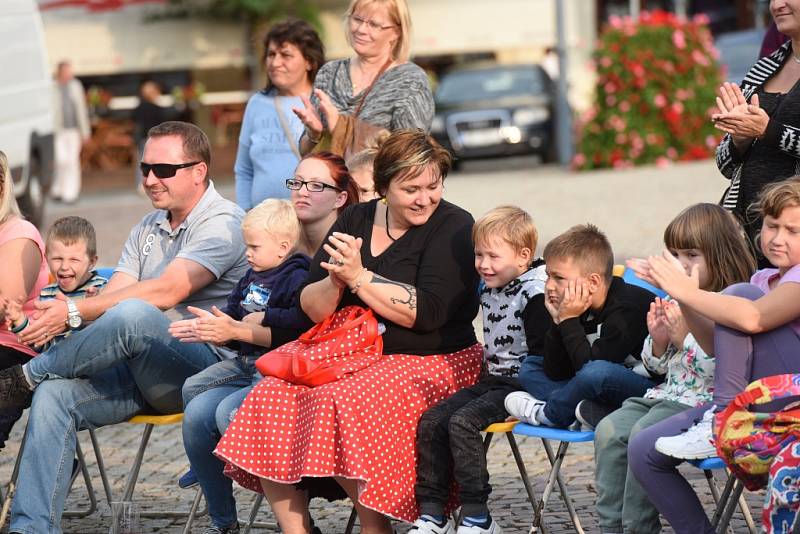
(164,170)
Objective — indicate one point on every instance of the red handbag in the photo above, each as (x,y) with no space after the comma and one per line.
(345,342)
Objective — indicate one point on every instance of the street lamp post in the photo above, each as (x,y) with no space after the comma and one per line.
(563,118)
(634,7)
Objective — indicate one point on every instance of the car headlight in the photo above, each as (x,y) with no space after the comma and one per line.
(523,117)
(437,126)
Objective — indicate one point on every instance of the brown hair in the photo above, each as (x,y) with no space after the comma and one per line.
(587,246)
(366,156)
(405,154)
(776,197)
(300,34)
(72,229)
(509,223)
(195,142)
(713,231)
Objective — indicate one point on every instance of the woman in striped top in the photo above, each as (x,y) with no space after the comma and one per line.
(761,119)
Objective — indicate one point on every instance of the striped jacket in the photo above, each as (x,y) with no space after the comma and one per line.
(787,138)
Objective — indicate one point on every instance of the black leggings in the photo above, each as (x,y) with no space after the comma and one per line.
(8,358)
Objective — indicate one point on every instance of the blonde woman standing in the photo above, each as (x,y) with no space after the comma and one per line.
(378,88)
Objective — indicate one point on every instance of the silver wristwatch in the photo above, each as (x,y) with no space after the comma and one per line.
(74,319)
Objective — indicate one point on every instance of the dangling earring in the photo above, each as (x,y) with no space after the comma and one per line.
(384,201)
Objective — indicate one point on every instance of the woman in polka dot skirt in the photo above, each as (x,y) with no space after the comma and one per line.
(408,257)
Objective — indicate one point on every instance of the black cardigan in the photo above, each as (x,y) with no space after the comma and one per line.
(438,259)
(773,157)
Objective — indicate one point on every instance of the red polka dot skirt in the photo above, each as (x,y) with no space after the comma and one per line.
(361,427)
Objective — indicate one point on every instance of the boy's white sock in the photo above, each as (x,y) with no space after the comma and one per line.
(30,382)
(541,418)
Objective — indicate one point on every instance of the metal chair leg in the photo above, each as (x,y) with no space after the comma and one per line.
(730,505)
(722,502)
(87,480)
(101,466)
(523,473)
(193,510)
(556,462)
(253,513)
(351,521)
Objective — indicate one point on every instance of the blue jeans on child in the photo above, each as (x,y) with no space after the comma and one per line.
(598,380)
(210,399)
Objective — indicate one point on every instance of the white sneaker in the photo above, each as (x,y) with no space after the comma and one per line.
(494,528)
(696,443)
(422,526)
(524,406)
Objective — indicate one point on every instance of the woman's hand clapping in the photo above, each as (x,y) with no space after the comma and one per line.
(309,117)
(344,265)
(741,120)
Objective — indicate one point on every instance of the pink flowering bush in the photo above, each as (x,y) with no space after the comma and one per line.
(656,82)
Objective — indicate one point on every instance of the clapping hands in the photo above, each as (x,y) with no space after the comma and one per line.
(666,325)
(736,117)
(667,273)
(208,327)
(311,119)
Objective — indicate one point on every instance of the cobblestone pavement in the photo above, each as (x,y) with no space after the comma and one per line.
(632,206)
(165,461)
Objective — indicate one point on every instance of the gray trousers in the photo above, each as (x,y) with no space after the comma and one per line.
(622,504)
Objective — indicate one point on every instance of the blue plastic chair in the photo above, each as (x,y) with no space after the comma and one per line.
(630,277)
(105,272)
(731,495)
(564,438)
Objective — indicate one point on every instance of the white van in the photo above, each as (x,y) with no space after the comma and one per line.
(26,102)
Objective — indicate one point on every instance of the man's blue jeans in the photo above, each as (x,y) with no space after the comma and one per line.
(128,363)
(211,397)
(598,380)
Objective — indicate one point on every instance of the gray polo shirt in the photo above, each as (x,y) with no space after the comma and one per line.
(211,235)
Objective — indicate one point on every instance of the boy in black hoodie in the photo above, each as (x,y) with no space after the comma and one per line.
(597,328)
(266,298)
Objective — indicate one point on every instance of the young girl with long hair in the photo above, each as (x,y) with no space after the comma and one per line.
(708,237)
(756,334)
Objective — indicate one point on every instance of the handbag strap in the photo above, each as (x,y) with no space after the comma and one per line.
(286,130)
(354,316)
(363,98)
(769,389)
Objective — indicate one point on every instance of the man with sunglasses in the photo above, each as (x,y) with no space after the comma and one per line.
(188,252)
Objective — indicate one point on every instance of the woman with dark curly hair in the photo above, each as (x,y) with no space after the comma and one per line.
(268,144)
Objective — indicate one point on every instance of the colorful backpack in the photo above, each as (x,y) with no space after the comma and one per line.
(748,441)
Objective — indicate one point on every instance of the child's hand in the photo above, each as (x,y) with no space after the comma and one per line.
(14,313)
(215,327)
(184,330)
(657,327)
(576,300)
(676,325)
(254,318)
(92,291)
(669,275)
(552,309)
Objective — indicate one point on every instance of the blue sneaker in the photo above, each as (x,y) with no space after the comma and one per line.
(188,480)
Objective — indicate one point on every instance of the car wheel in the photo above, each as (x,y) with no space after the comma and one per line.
(32,201)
